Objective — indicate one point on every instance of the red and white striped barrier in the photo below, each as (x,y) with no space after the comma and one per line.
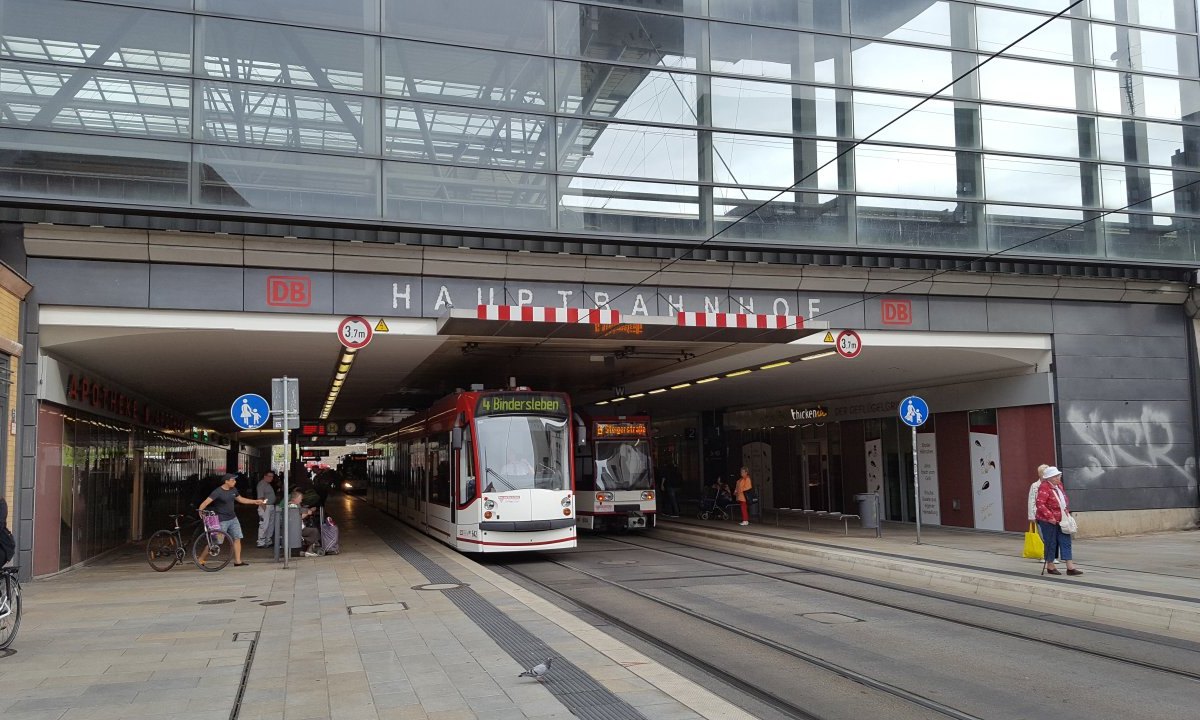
(529,313)
(740,320)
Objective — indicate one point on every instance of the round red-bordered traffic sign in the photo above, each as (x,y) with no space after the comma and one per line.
(848,344)
(355,332)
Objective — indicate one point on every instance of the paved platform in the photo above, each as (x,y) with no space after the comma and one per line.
(353,636)
(362,636)
(1146,582)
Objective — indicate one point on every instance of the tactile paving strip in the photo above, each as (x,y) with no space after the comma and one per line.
(582,695)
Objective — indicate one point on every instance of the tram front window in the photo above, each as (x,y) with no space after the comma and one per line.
(523,453)
(623,465)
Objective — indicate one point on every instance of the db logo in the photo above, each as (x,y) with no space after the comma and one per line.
(897,312)
(288,291)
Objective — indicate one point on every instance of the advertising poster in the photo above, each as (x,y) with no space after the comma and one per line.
(985,480)
(875,466)
(931,507)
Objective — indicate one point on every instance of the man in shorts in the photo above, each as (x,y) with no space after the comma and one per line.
(222,500)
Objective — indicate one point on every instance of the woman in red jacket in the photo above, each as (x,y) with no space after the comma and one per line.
(1052,505)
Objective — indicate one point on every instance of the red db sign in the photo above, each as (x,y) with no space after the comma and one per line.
(289,291)
(897,312)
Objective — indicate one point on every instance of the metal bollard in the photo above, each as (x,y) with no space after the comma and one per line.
(878,518)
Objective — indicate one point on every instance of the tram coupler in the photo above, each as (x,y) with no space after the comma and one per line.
(635,520)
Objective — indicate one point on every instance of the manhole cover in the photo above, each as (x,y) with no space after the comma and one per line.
(830,618)
(618,562)
(378,608)
(439,586)
(220,601)
(273,603)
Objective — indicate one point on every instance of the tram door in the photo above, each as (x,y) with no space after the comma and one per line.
(813,475)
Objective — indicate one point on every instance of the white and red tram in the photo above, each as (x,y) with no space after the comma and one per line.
(482,471)
(614,474)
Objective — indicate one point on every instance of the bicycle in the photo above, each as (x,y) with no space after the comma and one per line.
(165,548)
(215,546)
(10,606)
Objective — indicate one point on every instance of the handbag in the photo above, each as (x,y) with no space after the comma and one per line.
(1034,547)
(1067,524)
(211,521)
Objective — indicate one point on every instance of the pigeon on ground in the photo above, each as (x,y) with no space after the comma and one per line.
(538,671)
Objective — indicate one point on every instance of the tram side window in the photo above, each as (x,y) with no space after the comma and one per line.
(439,470)
(466,475)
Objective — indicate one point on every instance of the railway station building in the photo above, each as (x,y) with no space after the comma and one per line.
(996,204)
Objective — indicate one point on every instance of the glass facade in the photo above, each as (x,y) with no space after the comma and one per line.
(666,120)
(98,470)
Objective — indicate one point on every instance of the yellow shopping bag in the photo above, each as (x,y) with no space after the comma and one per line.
(1033,544)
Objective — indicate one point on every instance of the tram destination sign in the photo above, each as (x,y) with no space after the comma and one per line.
(621,430)
(522,404)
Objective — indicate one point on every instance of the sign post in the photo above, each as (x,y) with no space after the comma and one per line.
(285,392)
(914,412)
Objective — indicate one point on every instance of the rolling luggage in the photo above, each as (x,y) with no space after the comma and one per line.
(330,538)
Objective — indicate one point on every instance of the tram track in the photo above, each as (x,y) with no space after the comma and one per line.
(1048,639)
(773,700)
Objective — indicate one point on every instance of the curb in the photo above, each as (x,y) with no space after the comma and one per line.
(1178,619)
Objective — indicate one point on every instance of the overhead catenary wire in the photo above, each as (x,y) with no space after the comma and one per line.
(851,146)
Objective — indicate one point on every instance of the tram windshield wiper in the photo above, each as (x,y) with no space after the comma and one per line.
(500,479)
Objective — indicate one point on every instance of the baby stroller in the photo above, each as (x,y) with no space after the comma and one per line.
(716,507)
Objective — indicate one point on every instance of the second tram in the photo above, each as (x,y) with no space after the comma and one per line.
(614,474)
(482,471)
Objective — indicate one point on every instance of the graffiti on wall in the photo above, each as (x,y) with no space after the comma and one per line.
(1145,440)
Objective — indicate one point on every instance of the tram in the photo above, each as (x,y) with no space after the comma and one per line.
(482,471)
(614,473)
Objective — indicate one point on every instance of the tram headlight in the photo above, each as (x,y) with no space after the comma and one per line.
(604,497)
(488,504)
(566,501)
(647,494)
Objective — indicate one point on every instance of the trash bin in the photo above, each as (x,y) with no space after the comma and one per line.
(866,509)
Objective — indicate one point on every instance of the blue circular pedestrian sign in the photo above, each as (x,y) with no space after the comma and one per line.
(250,411)
(913,411)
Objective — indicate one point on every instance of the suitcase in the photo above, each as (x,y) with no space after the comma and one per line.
(330,537)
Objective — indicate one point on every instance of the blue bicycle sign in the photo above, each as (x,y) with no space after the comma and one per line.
(913,411)
(250,411)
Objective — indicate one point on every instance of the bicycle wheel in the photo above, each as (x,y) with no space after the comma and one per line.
(162,550)
(10,609)
(220,550)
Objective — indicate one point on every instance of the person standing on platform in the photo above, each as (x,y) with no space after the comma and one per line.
(266,513)
(670,489)
(1052,508)
(743,486)
(1032,502)
(222,499)
(8,548)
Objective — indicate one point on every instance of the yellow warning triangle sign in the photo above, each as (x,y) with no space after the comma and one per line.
(828,336)
(381,326)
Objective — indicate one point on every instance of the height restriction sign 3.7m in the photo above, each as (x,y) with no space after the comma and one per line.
(848,344)
(355,332)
